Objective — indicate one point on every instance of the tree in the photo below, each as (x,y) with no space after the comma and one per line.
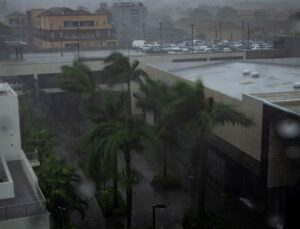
(200,14)
(125,136)
(104,159)
(118,69)
(155,99)
(78,79)
(198,115)
(227,14)
(41,140)
(57,181)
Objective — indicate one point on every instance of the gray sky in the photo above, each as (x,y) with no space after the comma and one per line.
(92,4)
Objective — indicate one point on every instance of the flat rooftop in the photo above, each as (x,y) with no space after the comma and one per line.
(227,77)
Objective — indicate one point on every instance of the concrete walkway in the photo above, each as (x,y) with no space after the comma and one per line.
(144,196)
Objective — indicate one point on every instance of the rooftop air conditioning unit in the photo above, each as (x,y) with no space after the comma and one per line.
(246,72)
(255,75)
(297,85)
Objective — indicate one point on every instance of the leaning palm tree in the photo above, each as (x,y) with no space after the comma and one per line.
(109,110)
(119,69)
(155,98)
(198,115)
(78,79)
(127,137)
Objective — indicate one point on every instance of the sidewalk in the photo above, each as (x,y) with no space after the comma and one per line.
(144,196)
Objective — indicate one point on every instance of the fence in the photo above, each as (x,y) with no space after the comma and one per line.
(23,210)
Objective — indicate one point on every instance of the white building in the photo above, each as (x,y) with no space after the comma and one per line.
(22,204)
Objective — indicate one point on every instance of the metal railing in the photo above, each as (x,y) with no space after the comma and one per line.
(33,158)
(23,210)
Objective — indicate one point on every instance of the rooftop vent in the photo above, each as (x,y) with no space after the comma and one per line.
(246,72)
(255,75)
(297,85)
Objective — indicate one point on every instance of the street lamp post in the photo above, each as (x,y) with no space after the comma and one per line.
(161,34)
(192,28)
(78,42)
(248,28)
(154,206)
(243,37)
(61,41)
(60,211)
(220,30)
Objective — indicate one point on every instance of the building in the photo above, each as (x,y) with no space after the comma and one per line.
(289,42)
(62,27)
(129,19)
(253,164)
(22,204)
(18,24)
(259,165)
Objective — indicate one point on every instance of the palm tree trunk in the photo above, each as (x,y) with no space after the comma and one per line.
(115,181)
(129,95)
(128,188)
(165,161)
(202,150)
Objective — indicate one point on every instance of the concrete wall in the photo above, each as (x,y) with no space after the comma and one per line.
(191,57)
(264,54)
(10,140)
(27,68)
(40,222)
(31,176)
(247,140)
(6,188)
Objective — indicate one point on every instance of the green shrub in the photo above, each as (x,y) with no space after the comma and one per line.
(191,220)
(166,182)
(105,199)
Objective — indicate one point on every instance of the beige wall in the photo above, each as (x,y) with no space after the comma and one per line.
(57,22)
(83,43)
(247,140)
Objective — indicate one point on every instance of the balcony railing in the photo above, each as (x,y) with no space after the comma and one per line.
(23,210)
(33,158)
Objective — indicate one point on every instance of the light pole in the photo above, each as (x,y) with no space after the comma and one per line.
(192,28)
(220,28)
(243,37)
(61,42)
(78,43)
(248,28)
(154,206)
(60,211)
(161,34)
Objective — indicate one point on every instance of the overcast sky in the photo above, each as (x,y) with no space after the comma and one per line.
(92,4)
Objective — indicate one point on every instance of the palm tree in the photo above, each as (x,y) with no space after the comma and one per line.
(198,115)
(125,136)
(156,98)
(78,79)
(119,69)
(57,181)
(104,159)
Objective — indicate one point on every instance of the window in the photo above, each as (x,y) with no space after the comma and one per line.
(87,23)
(70,24)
